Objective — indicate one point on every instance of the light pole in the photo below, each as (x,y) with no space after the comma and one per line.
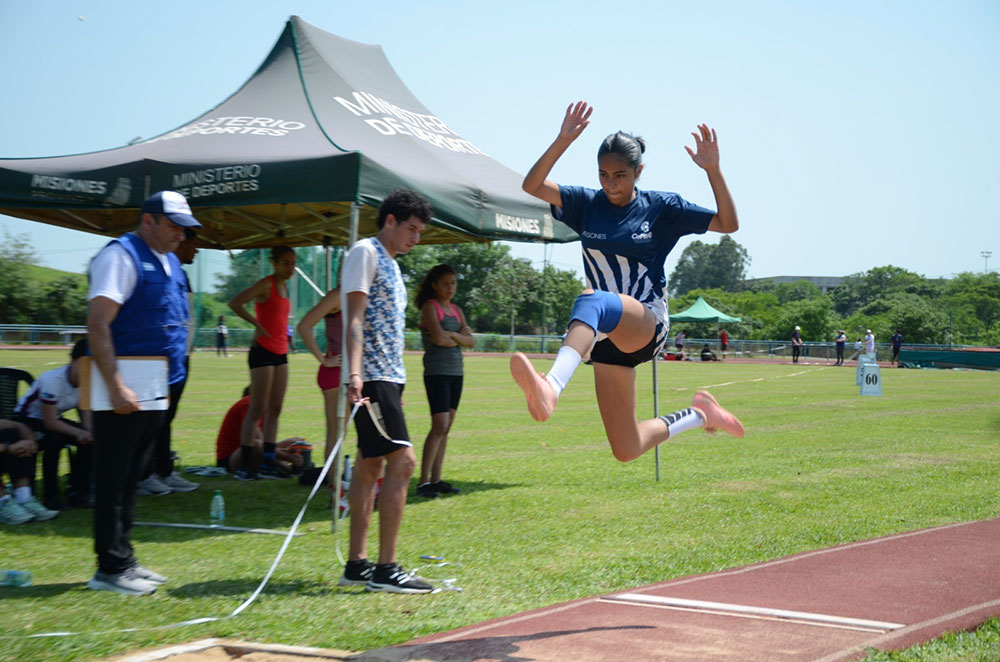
(986,255)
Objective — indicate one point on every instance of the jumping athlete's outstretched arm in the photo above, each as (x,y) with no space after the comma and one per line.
(576,120)
(706,156)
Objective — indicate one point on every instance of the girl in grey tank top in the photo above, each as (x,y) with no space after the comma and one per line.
(444,332)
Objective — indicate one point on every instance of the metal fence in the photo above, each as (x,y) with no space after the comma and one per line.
(205,340)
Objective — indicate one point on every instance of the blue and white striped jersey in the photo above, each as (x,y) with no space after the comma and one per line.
(625,248)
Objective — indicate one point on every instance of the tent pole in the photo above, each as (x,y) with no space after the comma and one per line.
(342,392)
(656,412)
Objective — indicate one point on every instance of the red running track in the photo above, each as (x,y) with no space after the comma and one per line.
(822,606)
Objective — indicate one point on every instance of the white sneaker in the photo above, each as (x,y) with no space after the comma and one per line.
(126,583)
(153,486)
(148,575)
(38,512)
(178,484)
(11,512)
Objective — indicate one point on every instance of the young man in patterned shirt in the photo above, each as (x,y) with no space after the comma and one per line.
(375,301)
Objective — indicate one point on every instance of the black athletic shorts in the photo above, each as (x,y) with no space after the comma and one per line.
(260,357)
(607,352)
(387,406)
(443,392)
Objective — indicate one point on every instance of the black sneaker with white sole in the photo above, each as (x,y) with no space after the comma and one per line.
(427,491)
(357,573)
(391,578)
(442,487)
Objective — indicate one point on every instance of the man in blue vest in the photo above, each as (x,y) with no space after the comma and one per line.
(138,307)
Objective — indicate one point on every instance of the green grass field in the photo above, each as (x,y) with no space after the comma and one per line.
(546,515)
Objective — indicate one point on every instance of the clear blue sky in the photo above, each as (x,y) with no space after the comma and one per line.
(853,134)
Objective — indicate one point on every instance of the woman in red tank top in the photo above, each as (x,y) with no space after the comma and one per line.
(268,359)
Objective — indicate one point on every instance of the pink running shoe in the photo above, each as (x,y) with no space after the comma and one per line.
(716,418)
(541,398)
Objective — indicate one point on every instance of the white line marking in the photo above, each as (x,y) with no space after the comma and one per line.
(759,611)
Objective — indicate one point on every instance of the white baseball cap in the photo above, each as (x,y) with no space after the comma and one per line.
(173,205)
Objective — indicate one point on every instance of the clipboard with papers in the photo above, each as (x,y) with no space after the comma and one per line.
(146,375)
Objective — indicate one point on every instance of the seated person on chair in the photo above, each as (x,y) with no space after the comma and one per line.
(227,445)
(707,354)
(54,393)
(18,450)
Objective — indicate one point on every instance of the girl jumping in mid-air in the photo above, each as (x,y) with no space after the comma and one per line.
(626,235)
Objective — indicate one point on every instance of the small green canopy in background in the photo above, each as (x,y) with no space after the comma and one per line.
(701,311)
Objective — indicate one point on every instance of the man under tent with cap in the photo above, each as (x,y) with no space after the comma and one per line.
(138,307)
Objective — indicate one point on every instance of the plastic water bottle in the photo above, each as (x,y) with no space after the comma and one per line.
(348,470)
(217,512)
(15,578)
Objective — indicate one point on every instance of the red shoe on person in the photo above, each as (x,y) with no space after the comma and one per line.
(716,418)
(541,398)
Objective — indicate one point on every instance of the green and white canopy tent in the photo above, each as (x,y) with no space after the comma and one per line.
(702,311)
(302,154)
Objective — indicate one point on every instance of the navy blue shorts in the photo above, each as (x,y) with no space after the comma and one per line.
(608,353)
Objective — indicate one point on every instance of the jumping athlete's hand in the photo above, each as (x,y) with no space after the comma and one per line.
(706,152)
(576,120)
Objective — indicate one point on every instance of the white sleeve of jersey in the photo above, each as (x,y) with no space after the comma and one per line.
(112,274)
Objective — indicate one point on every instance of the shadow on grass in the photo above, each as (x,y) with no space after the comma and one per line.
(271,505)
(466,487)
(36,591)
(497,649)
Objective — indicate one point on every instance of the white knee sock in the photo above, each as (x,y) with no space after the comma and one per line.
(22,494)
(682,421)
(567,361)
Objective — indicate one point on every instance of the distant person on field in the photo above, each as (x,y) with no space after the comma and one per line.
(897,343)
(796,344)
(707,354)
(679,342)
(221,336)
(229,451)
(444,332)
(840,343)
(723,342)
(268,359)
(18,450)
(870,342)
(858,346)
(54,393)
(160,477)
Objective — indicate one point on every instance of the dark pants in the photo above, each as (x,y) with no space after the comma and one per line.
(122,447)
(81,462)
(161,461)
(796,351)
(15,467)
(840,354)
(220,344)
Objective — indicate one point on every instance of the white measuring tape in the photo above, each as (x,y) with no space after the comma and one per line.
(284,546)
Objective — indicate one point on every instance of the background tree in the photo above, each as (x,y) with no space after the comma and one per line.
(505,292)
(18,291)
(815,316)
(706,266)
(63,301)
